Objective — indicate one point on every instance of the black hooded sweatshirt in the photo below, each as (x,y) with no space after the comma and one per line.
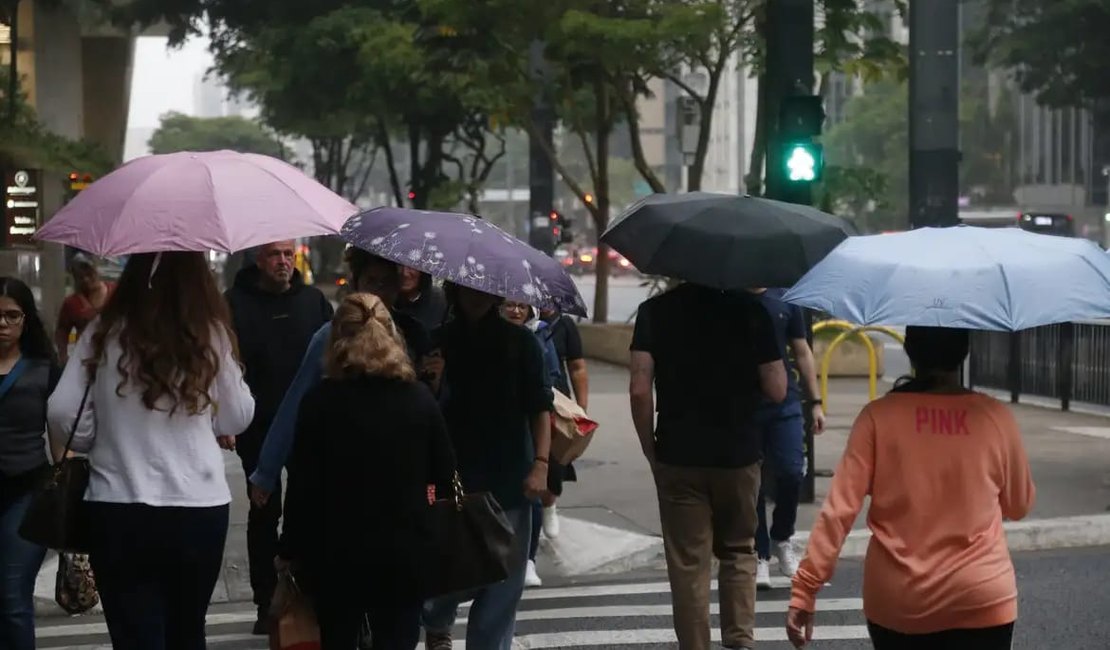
(274,330)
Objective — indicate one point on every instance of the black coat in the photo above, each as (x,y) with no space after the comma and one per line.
(365,452)
(274,331)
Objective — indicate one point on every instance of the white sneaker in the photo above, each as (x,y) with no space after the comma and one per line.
(763,575)
(788,561)
(551,521)
(531,578)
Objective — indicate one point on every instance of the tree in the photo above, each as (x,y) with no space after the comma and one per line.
(1056,49)
(177,132)
(25,141)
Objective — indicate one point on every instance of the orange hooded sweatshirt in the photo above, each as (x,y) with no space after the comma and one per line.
(942,471)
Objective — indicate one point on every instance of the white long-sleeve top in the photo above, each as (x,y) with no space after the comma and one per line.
(139,455)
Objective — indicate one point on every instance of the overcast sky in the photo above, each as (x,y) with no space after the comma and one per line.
(162,79)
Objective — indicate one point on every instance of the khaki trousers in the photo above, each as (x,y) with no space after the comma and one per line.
(709,512)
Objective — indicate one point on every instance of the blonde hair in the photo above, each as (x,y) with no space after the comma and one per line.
(365,341)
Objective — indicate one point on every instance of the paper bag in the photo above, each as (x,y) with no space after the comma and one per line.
(293,620)
(571,430)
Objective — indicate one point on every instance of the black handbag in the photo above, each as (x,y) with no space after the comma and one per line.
(54,517)
(472,544)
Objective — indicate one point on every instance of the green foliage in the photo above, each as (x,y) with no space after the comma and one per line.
(179,132)
(868,154)
(24,140)
(1057,49)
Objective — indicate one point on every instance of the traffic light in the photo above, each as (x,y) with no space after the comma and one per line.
(560,228)
(78,182)
(803,161)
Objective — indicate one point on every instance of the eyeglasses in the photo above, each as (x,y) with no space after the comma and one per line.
(13,317)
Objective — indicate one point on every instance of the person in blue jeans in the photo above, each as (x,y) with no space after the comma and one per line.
(497,402)
(783,429)
(28,374)
(524,315)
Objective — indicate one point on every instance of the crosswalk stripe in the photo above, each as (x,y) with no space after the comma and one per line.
(600,638)
(89,629)
(624,589)
(621,611)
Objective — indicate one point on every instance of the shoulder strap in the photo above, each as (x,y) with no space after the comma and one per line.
(13,376)
(77,420)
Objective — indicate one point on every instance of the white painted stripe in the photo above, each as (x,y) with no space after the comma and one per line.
(219,638)
(1091,432)
(88,629)
(629,589)
(582,638)
(621,611)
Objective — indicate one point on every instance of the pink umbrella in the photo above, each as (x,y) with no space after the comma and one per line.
(197,201)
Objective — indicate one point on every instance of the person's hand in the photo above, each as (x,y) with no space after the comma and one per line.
(432,368)
(259,496)
(226,442)
(799,627)
(535,485)
(818,419)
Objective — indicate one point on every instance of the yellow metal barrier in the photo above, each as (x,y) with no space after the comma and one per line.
(849,330)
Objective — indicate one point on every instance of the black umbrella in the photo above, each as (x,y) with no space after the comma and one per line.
(725,241)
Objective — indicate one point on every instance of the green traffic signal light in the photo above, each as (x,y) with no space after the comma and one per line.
(803,162)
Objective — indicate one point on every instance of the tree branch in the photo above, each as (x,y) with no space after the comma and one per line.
(638,156)
(560,169)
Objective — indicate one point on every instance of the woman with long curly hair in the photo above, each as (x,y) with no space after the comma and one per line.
(28,373)
(165,391)
(369,442)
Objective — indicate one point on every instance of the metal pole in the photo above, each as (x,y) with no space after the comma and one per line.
(789,73)
(541,175)
(13,64)
(934,113)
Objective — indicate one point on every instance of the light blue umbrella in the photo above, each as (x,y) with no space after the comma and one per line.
(1001,279)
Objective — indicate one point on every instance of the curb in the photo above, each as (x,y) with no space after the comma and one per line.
(1030,535)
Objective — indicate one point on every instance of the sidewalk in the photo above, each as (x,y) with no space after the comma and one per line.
(1069,454)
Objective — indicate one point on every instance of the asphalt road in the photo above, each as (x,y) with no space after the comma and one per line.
(1064,604)
(626,294)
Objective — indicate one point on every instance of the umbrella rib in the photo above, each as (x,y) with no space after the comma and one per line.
(298,194)
(222,223)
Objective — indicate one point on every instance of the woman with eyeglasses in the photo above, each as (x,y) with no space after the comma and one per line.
(28,374)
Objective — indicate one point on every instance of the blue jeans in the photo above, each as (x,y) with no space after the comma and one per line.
(492,618)
(784,454)
(20,562)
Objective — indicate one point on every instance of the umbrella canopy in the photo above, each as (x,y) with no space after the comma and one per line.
(467,251)
(1002,279)
(725,241)
(196,201)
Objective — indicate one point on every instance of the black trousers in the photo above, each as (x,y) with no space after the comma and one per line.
(262,537)
(985,638)
(393,626)
(156,568)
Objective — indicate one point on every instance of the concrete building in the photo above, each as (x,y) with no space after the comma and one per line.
(76,73)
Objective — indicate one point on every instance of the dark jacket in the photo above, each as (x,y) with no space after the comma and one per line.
(365,452)
(430,307)
(274,331)
(23,425)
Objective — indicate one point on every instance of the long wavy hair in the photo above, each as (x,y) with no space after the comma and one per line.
(365,341)
(168,315)
(34,343)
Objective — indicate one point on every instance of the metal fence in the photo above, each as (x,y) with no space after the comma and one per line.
(1069,362)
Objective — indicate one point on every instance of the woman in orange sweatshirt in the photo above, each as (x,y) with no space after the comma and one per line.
(943,466)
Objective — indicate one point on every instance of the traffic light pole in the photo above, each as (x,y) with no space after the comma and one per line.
(934,113)
(541,174)
(789,74)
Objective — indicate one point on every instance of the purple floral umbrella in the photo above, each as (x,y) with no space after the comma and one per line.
(468,251)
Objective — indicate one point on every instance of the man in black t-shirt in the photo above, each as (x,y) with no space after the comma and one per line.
(711,358)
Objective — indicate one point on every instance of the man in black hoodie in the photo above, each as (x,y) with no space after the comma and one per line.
(275,315)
